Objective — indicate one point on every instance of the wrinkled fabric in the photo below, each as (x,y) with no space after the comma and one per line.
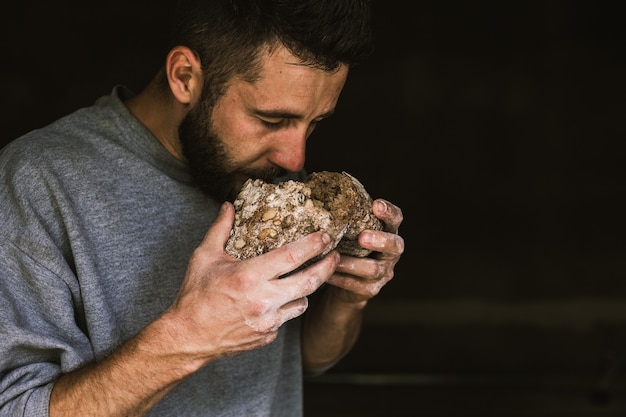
(97,224)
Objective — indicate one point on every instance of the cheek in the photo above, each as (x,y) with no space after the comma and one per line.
(244,139)
(228,125)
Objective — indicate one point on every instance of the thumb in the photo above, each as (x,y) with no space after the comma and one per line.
(218,233)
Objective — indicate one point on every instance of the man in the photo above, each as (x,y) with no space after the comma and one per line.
(116,295)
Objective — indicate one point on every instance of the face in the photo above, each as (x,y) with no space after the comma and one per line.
(258,130)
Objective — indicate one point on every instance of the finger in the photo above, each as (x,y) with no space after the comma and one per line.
(217,235)
(289,257)
(300,285)
(387,244)
(290,294)
(363,276)
(306,281)
(293,309)
(358,289)
(389,213)
(366,268)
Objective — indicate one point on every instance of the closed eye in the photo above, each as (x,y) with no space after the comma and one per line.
(274,125)
(274,120)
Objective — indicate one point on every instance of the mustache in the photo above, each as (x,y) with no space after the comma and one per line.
(267,174)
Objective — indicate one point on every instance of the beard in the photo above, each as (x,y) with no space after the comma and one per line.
(213,169)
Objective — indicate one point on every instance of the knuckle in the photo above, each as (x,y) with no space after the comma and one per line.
(399,215)
(384,271)
(294,257)
(258,308)
(312,283)
(381,270)
(399,243)
(240,281)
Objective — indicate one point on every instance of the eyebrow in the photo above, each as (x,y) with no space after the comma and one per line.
(284,114)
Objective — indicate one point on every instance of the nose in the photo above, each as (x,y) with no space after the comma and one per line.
(290,149)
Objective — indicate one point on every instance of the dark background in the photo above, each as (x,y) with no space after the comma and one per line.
(498,128)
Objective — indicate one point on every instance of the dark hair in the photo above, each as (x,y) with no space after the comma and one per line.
(229,35)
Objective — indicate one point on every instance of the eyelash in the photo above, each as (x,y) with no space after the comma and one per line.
(273,125)
(282,123)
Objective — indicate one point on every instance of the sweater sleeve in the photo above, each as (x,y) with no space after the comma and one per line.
(42,330)
(41,338)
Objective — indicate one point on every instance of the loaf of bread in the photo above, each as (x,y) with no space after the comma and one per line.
(270,215)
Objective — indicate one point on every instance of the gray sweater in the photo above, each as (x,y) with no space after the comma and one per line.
(97,223)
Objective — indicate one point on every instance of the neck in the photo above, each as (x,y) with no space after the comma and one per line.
(160,114)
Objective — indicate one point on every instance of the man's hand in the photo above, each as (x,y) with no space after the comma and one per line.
(226,305)
(363,278)
(332,324)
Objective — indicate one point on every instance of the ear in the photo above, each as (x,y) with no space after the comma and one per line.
(184,74)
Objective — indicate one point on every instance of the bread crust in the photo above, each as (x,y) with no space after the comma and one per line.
(268,216)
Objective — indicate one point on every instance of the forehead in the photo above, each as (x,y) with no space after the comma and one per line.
(284,81)
(277,57)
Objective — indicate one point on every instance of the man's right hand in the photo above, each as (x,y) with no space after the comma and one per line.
(226,306)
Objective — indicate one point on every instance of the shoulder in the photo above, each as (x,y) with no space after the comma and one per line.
(83,131)
(43,162)
(67,142)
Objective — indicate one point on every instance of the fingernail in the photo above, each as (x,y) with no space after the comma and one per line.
(382,206)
